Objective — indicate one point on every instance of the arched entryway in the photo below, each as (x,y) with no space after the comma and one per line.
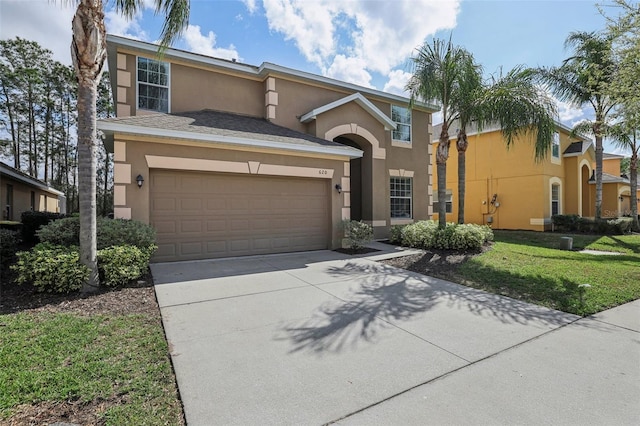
(360,177)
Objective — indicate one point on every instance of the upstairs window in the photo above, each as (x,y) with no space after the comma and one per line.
(555,145)
(402,117)
(153,85)
(400,191)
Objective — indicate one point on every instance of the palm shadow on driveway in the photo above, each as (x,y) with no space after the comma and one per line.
(381,297)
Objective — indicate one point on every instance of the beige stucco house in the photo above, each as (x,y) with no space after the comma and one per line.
(228,159)
(20,192)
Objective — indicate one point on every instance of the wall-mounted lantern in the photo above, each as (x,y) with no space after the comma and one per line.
(140,181)
(338,188)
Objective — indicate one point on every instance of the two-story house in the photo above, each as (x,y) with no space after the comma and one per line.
(507,188)
(228,159)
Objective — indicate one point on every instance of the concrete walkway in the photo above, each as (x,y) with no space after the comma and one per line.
(320,337)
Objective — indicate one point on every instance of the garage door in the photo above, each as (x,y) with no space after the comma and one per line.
(208,215)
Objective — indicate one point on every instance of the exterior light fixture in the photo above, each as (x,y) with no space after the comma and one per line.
(338,188)
(621,198)
(140,181)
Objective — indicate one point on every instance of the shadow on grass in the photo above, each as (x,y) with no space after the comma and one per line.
(634,247)
(381,301)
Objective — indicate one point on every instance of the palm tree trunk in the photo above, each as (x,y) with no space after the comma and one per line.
(462,144)
(633,181)
(89,52)
(442,154)
(599,152)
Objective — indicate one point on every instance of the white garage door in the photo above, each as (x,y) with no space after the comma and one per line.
(209,215)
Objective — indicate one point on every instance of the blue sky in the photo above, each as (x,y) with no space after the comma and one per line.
(367,42)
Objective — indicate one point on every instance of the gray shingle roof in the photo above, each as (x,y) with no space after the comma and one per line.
(575,147)
(217,123)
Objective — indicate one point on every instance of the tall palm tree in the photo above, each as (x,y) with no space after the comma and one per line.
(88,52)
(625,134)
(584,79)
(516,105)
(438,77)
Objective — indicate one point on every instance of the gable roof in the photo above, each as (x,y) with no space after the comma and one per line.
(222,128)
(578,148)
(263,71)
(360,100)
(18,175)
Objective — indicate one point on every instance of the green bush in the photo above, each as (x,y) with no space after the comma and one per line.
(32,221)
(9,242)
(119,265)
(357,233)
(51,268)
(565,222)
(110,232)
(395,235)
(426,235)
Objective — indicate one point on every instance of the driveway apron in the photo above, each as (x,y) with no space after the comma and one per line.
(322,337)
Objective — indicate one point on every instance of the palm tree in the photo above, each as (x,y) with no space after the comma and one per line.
(513,102)
(584,78)
(88,52)
(624,134)
(438,76)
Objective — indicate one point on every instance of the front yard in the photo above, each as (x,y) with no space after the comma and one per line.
(529,266)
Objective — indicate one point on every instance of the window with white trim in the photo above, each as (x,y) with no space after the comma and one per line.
(402,117)
(448,202)
(401,197)
(555,145)
(153,85)
(555,199)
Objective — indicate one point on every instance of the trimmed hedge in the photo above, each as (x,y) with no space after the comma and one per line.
(32,221)
(110,232)
(9,242)
(119,265)
(426,235)
(51,268)
(357,233)
(54,268)
(575,223)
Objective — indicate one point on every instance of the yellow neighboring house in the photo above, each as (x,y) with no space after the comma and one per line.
(507,189)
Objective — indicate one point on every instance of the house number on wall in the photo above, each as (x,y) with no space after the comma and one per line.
(323,172)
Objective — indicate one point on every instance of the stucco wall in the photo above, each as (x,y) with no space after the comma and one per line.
(44,201)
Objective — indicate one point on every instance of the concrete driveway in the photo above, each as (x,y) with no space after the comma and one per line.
(320,337)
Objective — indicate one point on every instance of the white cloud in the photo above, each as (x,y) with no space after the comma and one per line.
(250,4)
(569,113)
(48,23)
(378,35)
(352,70)
(205,44)
(398,80)
(117,24)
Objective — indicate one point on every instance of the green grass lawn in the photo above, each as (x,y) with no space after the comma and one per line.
(529,266)
(66,357)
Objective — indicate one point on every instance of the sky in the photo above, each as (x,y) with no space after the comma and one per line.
(366,42)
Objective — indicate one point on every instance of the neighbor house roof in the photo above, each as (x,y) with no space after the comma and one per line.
(608,178)
(358,99)
(473,130)
(222,128)
(261,72)
(18,175)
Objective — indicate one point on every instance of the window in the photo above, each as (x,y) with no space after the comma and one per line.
(448,204)
(402,117)
(153,85)
(555,145)
(555,199)
(400,197)
(33,201)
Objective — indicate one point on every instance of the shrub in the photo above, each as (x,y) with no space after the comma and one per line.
(32,221)
(110,232)
(117,232)
(358,233)
(565,222)
(395,235)
(9,241)
(51,268)
(426,234)
(119,265)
